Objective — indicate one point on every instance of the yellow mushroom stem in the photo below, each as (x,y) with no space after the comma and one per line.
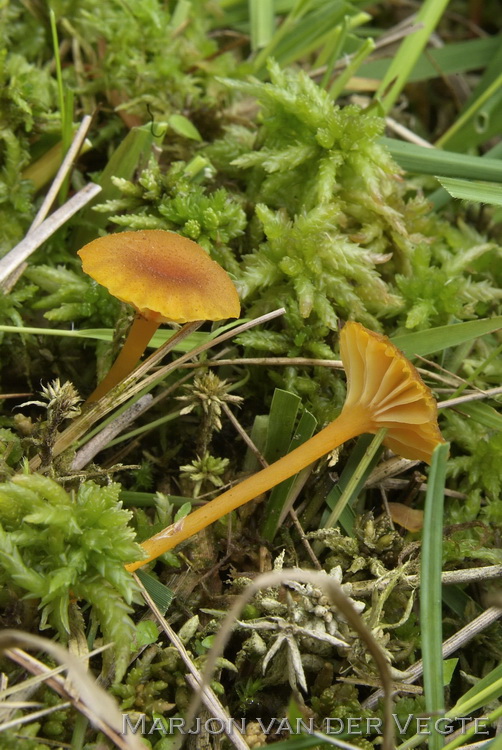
(353,421)
(137,340)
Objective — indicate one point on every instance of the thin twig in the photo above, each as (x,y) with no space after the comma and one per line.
(405,133)
(268,361)
(85,694)
(470,397)
(449,577)
(452,376)
(34,239)
(451,645)
(304,539)
(242,432)
(399,484)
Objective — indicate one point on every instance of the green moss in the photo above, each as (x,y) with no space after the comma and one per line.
(56,545)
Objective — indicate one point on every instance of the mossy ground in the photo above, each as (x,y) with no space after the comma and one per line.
(254,147)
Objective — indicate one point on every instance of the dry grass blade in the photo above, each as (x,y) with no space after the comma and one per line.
(470,397)
(94,446)
(334,592)
(448,578)
(195,679)
(32,683)
(33,240)
(28,718)
(463,636)
(62,173)
(86,695)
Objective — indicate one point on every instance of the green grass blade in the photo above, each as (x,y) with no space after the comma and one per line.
(340,82)
(314,30)
(279,497)
(161,594)
(458,128)
(397,75)
(440,197)
(444,337)
(489,688)
(490,719)
(347,516)
(478,192)
(481,116)
(261,15)
(430,590)
(351,490)
(259,438)
(453,58)
(283,411)
(435,161)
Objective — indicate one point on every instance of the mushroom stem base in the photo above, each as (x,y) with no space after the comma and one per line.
(137,340)
(351,422)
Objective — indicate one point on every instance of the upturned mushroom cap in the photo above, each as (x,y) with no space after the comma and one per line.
(383,382)
(165,276)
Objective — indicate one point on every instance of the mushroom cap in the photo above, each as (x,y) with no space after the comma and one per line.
(382,381)
(165,276)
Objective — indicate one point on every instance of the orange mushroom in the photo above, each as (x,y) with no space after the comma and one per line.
(166,278)
(383,390)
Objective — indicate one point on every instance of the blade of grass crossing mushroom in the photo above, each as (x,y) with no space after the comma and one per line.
(354,484)
(130,387)
(357,479)
(430,591)
(347,515)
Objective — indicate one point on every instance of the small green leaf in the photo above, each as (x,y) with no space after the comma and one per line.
(146,633)
(182,126)
(449,666)
(183,511)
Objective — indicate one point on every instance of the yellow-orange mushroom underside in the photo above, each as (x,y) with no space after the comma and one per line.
(383,390)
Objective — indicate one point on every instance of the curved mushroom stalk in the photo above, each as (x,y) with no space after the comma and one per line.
(138,338)
(384,390)
(166,278)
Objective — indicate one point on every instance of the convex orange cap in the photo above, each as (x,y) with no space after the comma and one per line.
(165,276)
